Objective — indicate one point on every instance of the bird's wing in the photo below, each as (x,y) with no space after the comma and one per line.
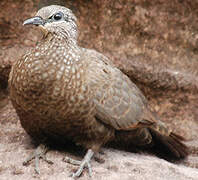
(118,102)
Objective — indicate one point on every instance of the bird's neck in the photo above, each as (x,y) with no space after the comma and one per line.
(67,40)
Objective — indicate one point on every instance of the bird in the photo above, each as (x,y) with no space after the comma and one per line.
(62,91)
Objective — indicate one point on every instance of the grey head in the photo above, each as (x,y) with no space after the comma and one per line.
(57,20)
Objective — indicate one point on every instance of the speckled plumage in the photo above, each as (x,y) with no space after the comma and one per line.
(63,91)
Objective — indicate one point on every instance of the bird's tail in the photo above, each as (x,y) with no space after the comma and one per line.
(170,144)
(165,141)
(156,138)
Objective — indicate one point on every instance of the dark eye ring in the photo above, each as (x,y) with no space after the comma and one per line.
(58,16)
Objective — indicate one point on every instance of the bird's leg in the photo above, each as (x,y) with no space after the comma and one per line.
(40,152)
(82,164)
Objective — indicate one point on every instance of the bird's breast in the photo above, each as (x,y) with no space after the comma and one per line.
(49,83)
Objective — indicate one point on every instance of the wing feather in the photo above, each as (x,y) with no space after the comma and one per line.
(118,102)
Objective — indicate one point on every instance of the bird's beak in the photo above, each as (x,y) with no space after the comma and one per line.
(37,20)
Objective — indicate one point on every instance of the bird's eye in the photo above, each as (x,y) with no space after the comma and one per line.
(58,16)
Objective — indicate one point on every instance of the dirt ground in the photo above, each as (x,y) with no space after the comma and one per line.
(153,42)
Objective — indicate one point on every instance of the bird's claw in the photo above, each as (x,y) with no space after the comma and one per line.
(85,163)
(39,153)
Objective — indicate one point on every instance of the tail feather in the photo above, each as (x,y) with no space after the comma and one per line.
(170,144)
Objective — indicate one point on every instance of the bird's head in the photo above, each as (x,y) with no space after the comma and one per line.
(57,20)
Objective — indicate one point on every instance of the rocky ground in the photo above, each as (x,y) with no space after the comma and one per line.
(154,42)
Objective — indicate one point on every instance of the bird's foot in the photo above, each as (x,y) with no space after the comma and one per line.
(40,152)
(85,163)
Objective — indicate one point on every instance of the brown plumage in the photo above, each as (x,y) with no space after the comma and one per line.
(63,91)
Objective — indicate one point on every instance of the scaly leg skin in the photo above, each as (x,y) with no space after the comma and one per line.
(40,152)
(82,164)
